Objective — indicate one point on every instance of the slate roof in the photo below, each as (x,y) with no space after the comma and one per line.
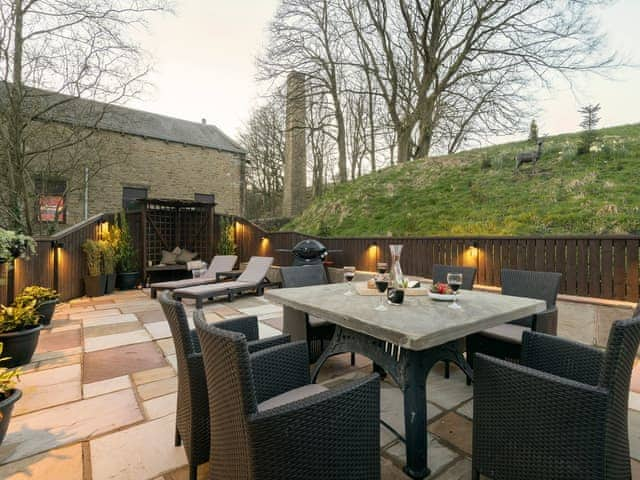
(115,118)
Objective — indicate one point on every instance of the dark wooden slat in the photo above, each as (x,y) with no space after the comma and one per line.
(619,269)
(606,269)
(633,287)
(594,268)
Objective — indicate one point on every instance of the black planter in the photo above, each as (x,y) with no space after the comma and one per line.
(95,286)
(6,408)
(111,283)
(19,346)
(128,281)
(45,310)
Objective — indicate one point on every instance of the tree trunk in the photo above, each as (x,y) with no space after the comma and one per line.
(404,145)
(342,142)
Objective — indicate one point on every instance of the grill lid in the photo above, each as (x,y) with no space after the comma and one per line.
(310,249)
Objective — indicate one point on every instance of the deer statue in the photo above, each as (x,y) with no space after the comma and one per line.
(529,157)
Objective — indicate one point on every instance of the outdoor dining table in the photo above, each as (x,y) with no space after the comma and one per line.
(406,340)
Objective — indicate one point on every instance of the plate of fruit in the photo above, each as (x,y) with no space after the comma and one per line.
(441,292)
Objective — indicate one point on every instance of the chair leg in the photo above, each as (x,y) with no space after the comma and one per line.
(154,293)
(353,359)
(475,474)
(447,369)
(193,472)
(178,440)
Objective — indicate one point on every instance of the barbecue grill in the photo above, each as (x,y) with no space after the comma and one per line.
(308,252)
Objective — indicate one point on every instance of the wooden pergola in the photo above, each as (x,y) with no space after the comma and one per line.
(170,223)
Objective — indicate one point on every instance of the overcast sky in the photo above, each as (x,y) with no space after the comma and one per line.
(204,59)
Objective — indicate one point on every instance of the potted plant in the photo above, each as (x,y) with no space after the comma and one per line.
(127,261)
(15,245)
(9,395)
(19,332)
(95,282)
(46,300)
(108,265)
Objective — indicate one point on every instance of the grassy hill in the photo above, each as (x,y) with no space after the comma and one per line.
(478,192)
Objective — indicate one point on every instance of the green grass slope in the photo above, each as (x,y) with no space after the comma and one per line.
(478,192)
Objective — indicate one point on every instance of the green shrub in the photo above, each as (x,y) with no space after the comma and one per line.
(38,293)
(7,379)
(226,245)
(93,257)
(108,257)
(18,316)
(126,256)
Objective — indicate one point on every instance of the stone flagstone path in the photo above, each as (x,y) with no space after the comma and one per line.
(99,398)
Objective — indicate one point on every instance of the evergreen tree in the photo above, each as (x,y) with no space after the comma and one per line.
(226,244)
(533,132)
(590,119)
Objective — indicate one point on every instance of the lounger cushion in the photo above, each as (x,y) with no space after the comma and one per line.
(188,282)
(220,263)
(213,288)
(256,270)
(168,258)
(507,332)
(296,394)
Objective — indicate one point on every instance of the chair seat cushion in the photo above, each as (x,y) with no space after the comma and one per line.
(508,332)
(317,321)
(291,396)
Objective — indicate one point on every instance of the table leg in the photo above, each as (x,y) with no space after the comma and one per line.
(415,414)
(294,322)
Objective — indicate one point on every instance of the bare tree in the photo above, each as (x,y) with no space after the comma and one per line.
(264,139)
(419,52)
(53,52)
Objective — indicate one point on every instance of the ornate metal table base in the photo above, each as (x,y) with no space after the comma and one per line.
(409,369)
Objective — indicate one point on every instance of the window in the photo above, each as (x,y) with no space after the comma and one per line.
(51,199)
(204,197)
(130,195)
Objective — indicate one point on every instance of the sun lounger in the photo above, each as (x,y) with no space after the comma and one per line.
(220,263)
(252,278)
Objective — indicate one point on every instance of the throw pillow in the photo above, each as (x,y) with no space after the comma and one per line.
(185,256)
(168,258)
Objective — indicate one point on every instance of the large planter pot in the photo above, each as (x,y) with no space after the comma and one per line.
(6,408)
(45,310)
(128,281)
(19,346)
(95,286)
(110,283)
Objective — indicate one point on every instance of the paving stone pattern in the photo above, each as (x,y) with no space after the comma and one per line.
(100,395)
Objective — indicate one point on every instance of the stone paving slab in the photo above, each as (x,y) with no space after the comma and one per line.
(110,329)
(51,340)
(65,424)
(160,406)
(48,388)
(455,430)
(106,386)
(104,342)
(109,319)
(137,453)
(160,387)
(58,464)
(115,362)
(158,330)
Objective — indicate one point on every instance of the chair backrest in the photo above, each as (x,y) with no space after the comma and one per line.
(179,325)
(220,263)
(468,274)
(256,270)
(615,376)
(303,276)
(231,399)
(524,283)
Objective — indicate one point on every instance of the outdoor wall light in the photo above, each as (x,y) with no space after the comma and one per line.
(264,237)
(57,244)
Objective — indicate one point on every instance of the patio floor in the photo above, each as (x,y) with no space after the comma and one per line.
(99,398)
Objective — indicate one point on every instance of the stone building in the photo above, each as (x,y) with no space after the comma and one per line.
(131,154)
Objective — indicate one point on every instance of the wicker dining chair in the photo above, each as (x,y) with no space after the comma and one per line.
(268,422)
(192,411)
(439,275)
(505,341)
(560,414)
(319,330)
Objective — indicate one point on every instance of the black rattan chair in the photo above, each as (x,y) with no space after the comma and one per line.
(439,275)
(505,341)
(560,414)
(268,422)
(192,411)
(319,331)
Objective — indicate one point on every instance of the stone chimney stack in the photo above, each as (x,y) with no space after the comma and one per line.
(295,167)
(204,121)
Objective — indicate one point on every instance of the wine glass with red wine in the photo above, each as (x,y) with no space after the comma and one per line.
(349,273)
(454,280)
(382,283)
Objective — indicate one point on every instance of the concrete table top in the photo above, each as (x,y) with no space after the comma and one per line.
(419,323)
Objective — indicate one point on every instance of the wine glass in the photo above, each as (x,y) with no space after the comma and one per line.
(382,267)
(454,280)
(382,283)
(349,273)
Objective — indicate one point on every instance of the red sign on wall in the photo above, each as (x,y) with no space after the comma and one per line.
(49,205)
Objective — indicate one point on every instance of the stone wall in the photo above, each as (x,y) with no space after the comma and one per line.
(167,170)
